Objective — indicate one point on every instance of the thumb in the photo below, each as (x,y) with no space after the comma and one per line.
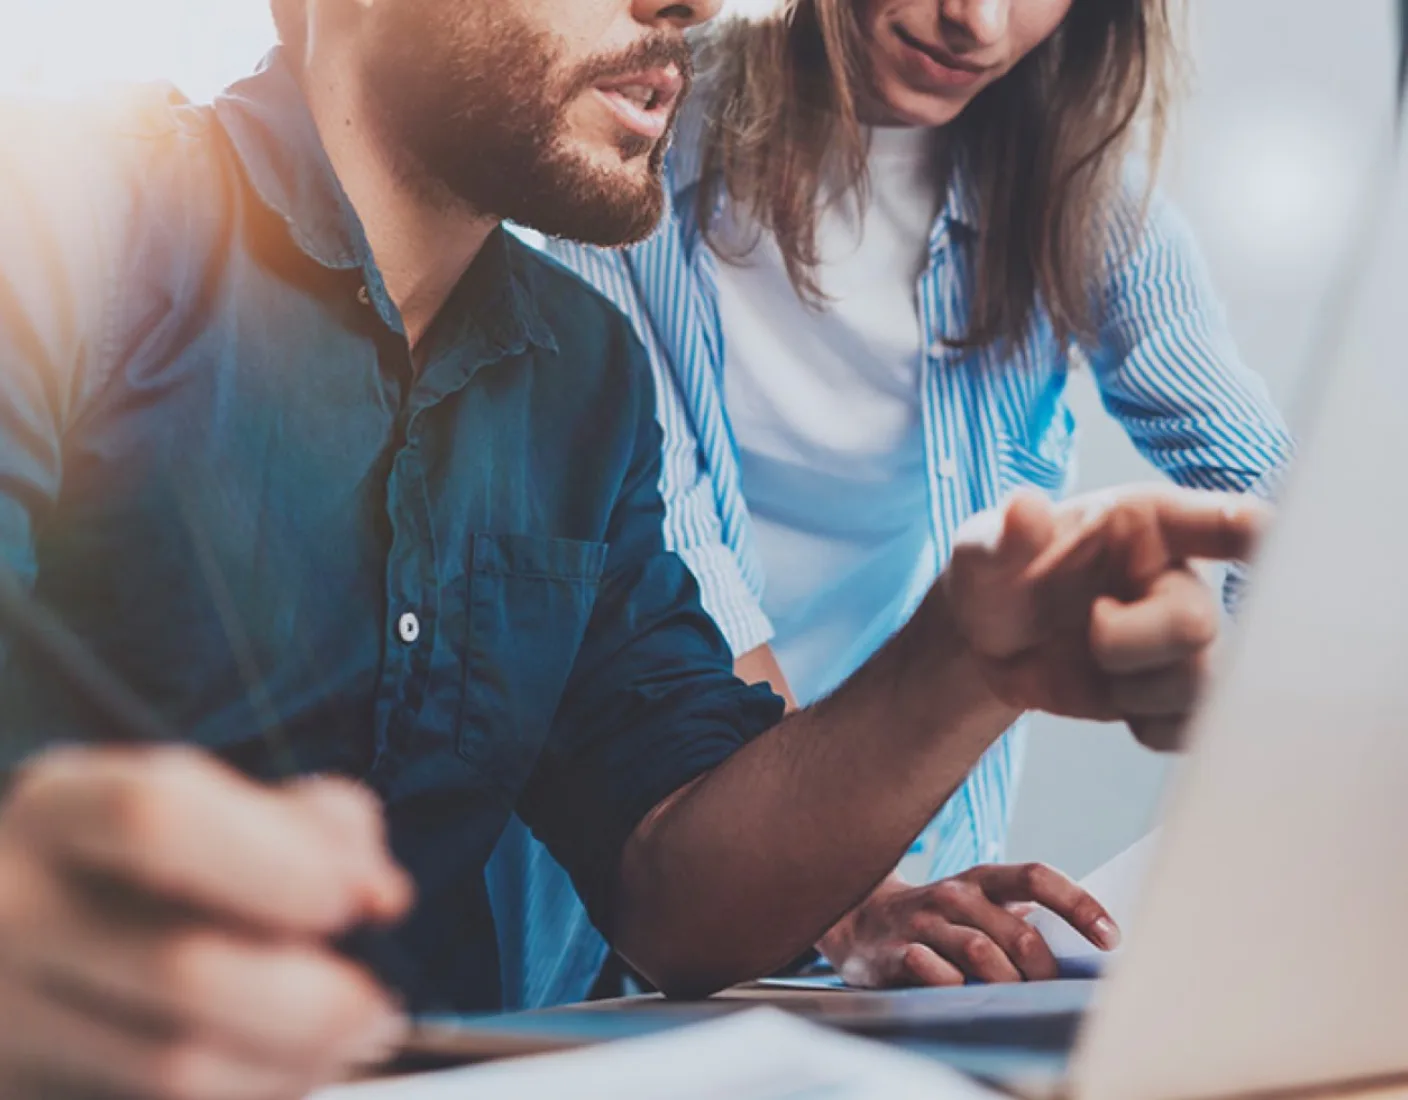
(1010,535)
(1029,527)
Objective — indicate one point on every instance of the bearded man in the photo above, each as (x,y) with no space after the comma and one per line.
(349,484)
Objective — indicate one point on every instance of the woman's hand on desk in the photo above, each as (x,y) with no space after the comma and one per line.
(164,930)
(968,926)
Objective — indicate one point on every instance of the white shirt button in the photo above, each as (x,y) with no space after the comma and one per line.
(364,295)
(948,467)
(408,627)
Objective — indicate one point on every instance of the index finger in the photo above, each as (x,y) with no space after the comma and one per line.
(1219,526)
(1048,887)
(1151,528)
(185,829)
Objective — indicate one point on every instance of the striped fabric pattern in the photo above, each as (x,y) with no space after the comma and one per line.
(995,419)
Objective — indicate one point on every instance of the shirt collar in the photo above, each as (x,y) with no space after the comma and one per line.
(276,141)
(961,206)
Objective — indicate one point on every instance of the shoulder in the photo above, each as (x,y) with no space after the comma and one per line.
(596,341)
(577,313)
(1141,217)
(1154,272)
(98,152)
(103,203)
(599,381)
(93,179)
(78,181)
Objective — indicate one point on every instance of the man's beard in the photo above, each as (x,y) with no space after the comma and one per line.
(472,103)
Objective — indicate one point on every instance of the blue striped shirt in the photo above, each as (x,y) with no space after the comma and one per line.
(995,419)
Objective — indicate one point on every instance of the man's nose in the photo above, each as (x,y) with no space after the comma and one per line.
(682,14)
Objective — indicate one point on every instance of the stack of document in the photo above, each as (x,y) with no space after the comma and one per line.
(757,1055)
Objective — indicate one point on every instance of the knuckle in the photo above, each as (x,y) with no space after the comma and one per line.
(980,952)
(912,959)
(142,805)
(1037,879)
(1029,944)
(952,892)
(924,928)
(135,813)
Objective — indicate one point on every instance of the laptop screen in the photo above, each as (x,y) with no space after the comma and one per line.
(1402,50)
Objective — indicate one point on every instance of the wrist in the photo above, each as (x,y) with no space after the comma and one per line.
(957,672)
(839,942)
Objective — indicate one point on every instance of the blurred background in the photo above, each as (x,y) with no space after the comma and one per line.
(1289,112)
(1289,106)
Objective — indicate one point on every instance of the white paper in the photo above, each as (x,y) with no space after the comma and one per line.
(758,1055)
(1116,885)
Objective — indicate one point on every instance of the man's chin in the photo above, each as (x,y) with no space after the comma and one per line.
(605,208)
(632,162)
(617,224)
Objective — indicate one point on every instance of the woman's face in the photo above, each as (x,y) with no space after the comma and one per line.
(930,58)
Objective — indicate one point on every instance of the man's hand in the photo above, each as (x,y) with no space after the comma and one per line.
(164,930)
(968,926)
(1091,609)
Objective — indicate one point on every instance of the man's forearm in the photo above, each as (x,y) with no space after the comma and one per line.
(748,867)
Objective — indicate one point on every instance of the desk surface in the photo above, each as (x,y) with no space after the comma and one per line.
(561,1029)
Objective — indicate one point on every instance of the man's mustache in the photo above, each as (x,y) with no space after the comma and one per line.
(656,52)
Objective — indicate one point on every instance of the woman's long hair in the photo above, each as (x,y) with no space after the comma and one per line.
(1044,146)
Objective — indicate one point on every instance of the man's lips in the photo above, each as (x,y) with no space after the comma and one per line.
(644,102)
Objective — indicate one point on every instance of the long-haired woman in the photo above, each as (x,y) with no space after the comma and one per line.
(895,227)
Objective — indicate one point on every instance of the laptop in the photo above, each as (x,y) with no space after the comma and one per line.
(1267,952)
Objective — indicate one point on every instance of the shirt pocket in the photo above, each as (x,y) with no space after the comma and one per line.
(530,600)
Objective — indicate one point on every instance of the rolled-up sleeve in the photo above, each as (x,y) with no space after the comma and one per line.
(652,702)
(1168,368)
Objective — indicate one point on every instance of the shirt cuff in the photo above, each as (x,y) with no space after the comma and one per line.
(728,598)
(665,764)
(1234,586)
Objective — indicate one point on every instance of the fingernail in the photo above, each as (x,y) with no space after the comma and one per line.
(1106,934)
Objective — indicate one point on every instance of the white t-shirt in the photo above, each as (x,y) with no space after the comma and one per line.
(825,407)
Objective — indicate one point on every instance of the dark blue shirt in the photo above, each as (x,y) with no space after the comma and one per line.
(219,464)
